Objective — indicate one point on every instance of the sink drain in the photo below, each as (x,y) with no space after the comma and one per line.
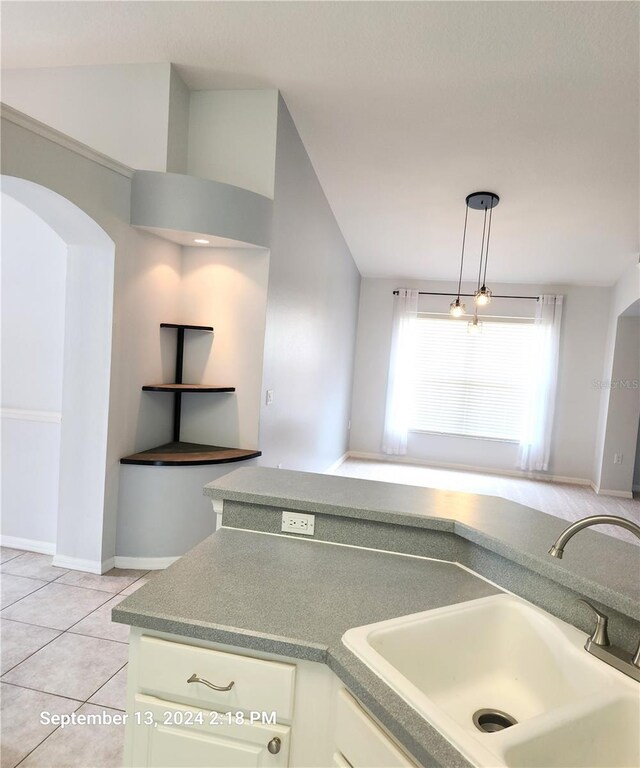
(492,720)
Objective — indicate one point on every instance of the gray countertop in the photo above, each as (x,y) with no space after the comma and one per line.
(297,598)
(597,565)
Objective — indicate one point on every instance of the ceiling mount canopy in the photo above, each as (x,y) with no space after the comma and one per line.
(482,201)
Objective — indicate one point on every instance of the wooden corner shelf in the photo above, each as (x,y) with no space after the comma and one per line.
(178,454)
(208,328)
(186,388)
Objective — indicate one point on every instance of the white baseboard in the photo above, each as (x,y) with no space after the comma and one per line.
(80,564)
(336,464)
(29,545)
(469,468)
(617,494)
(144,563)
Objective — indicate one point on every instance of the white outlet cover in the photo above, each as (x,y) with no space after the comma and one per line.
(298,522)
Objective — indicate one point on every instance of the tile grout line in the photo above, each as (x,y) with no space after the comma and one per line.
(6,672)
(23,597)
(48,736)
(69,630)
(80,705)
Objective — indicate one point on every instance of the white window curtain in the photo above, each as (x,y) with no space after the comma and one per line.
(535,445)
(400,382)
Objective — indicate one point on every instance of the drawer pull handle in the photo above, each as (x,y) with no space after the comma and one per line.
(195,679)
(274,745)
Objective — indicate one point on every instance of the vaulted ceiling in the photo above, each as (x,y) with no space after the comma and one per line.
(405,108)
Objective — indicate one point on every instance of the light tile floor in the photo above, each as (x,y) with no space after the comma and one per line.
(60,653)
(569,502)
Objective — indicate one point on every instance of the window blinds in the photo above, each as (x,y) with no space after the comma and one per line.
(471,384)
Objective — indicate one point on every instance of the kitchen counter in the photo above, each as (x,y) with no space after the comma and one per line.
(601,567)
(297,598)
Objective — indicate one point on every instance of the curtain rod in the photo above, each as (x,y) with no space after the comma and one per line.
(468,295)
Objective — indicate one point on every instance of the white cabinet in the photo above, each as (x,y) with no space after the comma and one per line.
(278,712)
(170,735)
(195,707)
(164,669)
(361,743)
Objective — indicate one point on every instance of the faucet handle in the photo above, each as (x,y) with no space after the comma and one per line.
(599,636)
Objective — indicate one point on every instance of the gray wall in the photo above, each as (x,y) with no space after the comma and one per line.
(636,469)
(624,408)
(312,307)
(147,277)
(582,345)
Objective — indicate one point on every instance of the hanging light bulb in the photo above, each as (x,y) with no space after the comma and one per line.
(474,325)
(482,297)
(456,308)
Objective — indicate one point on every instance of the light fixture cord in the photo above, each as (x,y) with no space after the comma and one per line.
(484,227)
(464,237)
(486,257)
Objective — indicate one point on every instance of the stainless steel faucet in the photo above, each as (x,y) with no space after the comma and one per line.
(598,643)
(557,550)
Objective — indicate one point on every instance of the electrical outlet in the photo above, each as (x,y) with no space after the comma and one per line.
(296,522)
(269,398)
(617,458)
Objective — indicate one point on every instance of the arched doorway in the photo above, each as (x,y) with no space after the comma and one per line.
(86,368)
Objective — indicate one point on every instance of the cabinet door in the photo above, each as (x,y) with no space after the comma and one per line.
(175,736)
(361,741)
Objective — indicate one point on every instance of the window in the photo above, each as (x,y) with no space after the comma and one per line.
(471,384)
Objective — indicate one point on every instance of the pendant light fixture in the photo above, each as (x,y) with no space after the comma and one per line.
(457,308)
(483,201)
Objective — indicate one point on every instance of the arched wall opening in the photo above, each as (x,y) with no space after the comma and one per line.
(85,344)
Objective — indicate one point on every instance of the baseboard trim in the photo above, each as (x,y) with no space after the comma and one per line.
(336,464)
(144,563)
(470,468)
(80,564)
(28,545)
(617,494)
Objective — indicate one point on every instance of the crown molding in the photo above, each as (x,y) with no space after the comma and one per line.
(57,137)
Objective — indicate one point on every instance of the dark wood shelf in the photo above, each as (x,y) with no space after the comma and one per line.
(180,454)
(208,328)
(186,388)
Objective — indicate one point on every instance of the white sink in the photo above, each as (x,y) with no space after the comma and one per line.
(502,654)
(600,734)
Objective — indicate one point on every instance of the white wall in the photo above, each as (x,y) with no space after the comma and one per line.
(33,309)
(232,138)
(228,290)
(121,110)
(582,348)
(178,128)
(146,280)
(162,512)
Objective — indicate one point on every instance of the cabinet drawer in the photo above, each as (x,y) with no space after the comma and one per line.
(175,736)
(261,686)
(363,743)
